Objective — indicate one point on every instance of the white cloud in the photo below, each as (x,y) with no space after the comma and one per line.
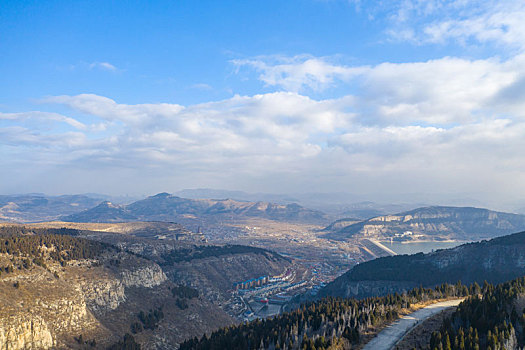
(446,90)
(43,116)
(449,123)
(439,21)
(107,109)
(299,72)
(436,122)
(103,66)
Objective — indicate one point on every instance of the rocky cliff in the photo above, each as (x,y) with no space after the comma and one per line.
(211,269)
(58,295)
(25,332)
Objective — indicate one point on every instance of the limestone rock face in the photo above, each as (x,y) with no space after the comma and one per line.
(49,307)
(104,295)
(25,332)
(148,277)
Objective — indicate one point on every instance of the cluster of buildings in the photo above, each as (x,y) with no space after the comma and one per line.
(251,283)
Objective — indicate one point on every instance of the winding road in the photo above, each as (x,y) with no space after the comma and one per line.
(388,337)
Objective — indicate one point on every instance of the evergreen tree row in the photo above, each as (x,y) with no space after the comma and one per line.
(486,321)
(35,248)
(204,251)
(324,324)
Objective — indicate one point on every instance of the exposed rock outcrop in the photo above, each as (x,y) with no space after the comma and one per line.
(148,276)
(25,331)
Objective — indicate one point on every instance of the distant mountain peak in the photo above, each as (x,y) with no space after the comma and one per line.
(162,195)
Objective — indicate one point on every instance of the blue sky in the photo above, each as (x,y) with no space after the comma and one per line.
(168,50)
(368,97)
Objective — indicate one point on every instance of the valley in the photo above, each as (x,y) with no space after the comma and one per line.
(220,262)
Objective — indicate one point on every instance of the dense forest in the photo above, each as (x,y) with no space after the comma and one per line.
(6,231)
(328,323)
(204,251)
(489,321)
(446,266)
(35,246)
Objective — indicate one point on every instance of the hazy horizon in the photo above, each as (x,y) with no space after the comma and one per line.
(333,203)
(405,101)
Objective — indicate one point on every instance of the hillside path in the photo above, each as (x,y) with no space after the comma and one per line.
(388,337)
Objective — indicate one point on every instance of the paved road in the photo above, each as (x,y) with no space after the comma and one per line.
(388,337)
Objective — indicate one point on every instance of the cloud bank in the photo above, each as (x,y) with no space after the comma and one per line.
(450,124)
(453,122)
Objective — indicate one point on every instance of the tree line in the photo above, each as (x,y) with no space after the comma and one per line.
(34,247)
(489,320)
(328,323)
(204,251)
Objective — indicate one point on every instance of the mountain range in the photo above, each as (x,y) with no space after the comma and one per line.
(434,223)
(40,207)
(167,207)
(338,204)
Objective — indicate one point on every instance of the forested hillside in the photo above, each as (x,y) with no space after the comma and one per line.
(492,320)
(46,244)
(59,290)
(330,323)
(498,260)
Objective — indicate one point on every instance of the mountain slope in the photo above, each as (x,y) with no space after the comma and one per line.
(166,207)
(497,260)
(54,288)
(104,212)
(459,223)
(38,207)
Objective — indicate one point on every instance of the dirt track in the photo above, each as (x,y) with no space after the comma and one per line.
(388,337)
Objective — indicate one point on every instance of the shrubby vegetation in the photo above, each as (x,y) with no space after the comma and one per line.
(148,320)
(86,343)
(57,247)
(127,343)
(489,321)
(182,293)
(7,231)
(201,252)
(323,324)
(36,246)
(185,292)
